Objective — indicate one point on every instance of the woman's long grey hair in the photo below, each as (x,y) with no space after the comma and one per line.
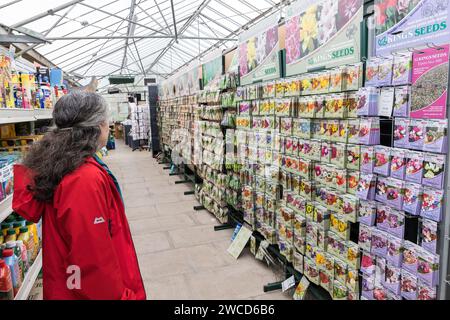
(77,117)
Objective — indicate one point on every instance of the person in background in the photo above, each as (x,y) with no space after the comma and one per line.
(88,252)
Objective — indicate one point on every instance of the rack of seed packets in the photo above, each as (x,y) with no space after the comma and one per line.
(401,188)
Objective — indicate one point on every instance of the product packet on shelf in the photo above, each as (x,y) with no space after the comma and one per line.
(368,286)
(398,163)
(333,130)
(340,226)
(402,101)
(429,235)
(326,281)
(409,285)
(379,243)
(414,166)
(433,170)
(279,88)
(386,102)
(416,130)
(367,212)
(426,292)
(350,207)
(353,256)
(353,156)
(432,201)
(372,70)
(394,251)
(368,101)
(366,187)
(342,135)
(401,132)
(353,177)
(412,199)
(269,89)
(428,267)
(385,72)
(368,262)
(298,262)
(393,278)
(353,77)
(410,257)
(382,160)
(395,193)
(325,152)
(311,271)
(340,271)
(339,181)
(383,212)
(311,106)
(436,139)
(367,159)
(353,130)
(396,223)
(338,154)
(380,271)
(402,69)
(336,80)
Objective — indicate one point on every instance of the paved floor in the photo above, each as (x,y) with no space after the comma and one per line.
(180,254)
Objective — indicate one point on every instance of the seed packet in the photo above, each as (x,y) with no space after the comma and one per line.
(394,194)
(311,271)
(436,136)
(380,271)
(286,126)
(340,226)
(386,102)
(398,163)
(382,160)
(412,199)
(379,243)
(286,250)
(433,170)
(288,142)
(394,251)
(368,286)
(322,238)
(305,168)
(367,212)
(369,131)
(322,217)
(409,285)
(367,159)
(340,271)
(338,154)
(350,207)
(402,101)
(268,89)
(336,80)
(425,292)
(353,77)
(326,280)
(352,105)
(352,181)
(353,156)
(339,106)
(243,122)
(396,223)
(333,130)
(339,181)
(368,101)
(339,291)
(303,128)
(283,107)
(401,133)
(298,262)
(314,150)
(402,69)
(353,255)
(342,135)
(307,190)
(292,87)
(279,89)
(414,166)
(416,130)
(320,106)
(311,237)
(353,129)
(366,187)
(368,261)
(372,69)
(325,154)
(428,267)
(429,235)
(311,107)
(393,278)
(324,82)
(432,204)
(383,213)
(381,189)
(385,72)
(245,107)
(410,257)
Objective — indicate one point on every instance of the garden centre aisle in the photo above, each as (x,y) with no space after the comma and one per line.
(180,254)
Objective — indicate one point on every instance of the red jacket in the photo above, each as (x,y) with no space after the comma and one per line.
(84,226)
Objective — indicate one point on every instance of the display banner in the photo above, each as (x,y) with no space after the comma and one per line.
(429,83)
(401,24)
(232,61)
(193,80)
(258,52)
(182,84)
(212,71)
(323,33)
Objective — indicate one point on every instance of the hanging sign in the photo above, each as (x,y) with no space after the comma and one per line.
(429,83)
(322,34)
(193,80)
(212,71)
(56,77)
(258,52)
(401,24)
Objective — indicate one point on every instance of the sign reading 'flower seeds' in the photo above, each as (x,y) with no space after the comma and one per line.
(401,24)
(430,78)
(258,52)
(325,34)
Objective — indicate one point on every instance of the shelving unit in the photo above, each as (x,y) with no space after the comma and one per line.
(30,278)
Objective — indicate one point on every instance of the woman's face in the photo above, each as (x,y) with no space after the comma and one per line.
(103,140)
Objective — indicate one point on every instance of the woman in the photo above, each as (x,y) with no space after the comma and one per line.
(88,252)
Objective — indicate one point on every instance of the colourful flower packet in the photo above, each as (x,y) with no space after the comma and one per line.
(436,139)
(369,131)
(352,105)
(338,154)
(368,101)
(394,194)
(392,278)
(342,135)
(398,163)
(312,104)
(368,261)
(352,181)
(353,129)
(409,285)
(286,126)
(368,286)
(365,237)
(302,128)
(325,154)
(353,77)
(381,190)
(367,159)
(416,130)
(429,235)
(379,243)
(385,72)
(394,251)
(401,132)
(396,223)
(283,107)
(433,170)
(366,187)
(353,156)
(279,88)
(340,271)
(367,212)
(412,199)
(425,292)
(336,80)
(311,271)
(372,69)
(350,207)
(402,102)
(402,69)
(339,291)
(245,107)
(382,160)
(432,201)
(352,283)
(410,257)
(353,256)
(414,166)
(383,213)
(240,94)
(428,267)
(268,89)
